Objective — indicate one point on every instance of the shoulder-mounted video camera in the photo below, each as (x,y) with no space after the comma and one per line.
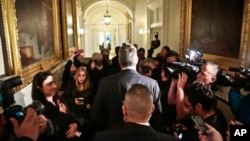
(6,86)
(7,101)
(173,70)
(240,79)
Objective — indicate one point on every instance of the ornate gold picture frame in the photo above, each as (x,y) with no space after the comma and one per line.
(69,30)
(223,60)
(20,30)
(5,56)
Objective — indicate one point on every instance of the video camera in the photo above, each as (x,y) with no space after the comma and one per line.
(173,70)
(155,43)
(7,102)
(241,79)
(6,86)
(194,56)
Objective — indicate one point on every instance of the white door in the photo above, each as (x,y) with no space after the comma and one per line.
(106,40)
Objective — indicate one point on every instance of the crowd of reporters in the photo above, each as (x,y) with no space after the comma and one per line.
(184,91)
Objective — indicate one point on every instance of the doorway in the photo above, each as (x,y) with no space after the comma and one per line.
(106,40)
(98,34)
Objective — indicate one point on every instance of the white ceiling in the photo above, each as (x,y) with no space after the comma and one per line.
(94,13)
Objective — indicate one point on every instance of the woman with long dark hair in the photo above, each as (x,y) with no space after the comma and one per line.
(44,90)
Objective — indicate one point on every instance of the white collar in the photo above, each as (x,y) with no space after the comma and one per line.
(130,67)
(146,124)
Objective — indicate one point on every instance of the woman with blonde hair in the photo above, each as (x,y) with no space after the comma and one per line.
(78,95)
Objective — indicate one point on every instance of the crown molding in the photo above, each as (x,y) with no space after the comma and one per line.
(154,5)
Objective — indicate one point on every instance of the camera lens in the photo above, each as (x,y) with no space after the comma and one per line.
(145,69)
(37,106)
(15,111)
(98,62)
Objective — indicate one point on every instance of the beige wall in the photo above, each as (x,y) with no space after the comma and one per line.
(140,23)
(170,28)
(172,23)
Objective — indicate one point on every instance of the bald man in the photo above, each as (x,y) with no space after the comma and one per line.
(137,109)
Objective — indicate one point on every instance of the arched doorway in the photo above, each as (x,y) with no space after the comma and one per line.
(98,35)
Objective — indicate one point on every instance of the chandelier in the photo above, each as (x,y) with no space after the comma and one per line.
(107,17)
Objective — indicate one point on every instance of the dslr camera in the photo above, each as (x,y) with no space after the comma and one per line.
(155,43)
(241,79)
(145,69)
(18,112)
(10,110)
(98,62)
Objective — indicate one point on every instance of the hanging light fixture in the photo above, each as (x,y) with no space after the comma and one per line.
(107,16)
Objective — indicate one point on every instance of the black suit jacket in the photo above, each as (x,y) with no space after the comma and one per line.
(107,109)
(132,132)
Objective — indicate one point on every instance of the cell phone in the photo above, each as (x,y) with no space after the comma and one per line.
(80,99)
(179,130)
(199,122)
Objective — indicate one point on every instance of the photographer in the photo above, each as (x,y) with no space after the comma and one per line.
(105,57)
(76,58)
(207,75)
(172,56)
(97,70)
(28,129)
(150,68)
(161,56)
(238,104)
(14,117)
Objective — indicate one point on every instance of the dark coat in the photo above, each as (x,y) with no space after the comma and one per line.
(59,120)
(132,132)
(81,112)
(67,76)
(107,109)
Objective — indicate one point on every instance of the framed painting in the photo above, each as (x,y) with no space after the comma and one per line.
(5,55)
(219,29)
(68,10)
(35,45)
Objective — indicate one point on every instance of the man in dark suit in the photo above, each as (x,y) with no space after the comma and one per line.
(106,112)
(137,109)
